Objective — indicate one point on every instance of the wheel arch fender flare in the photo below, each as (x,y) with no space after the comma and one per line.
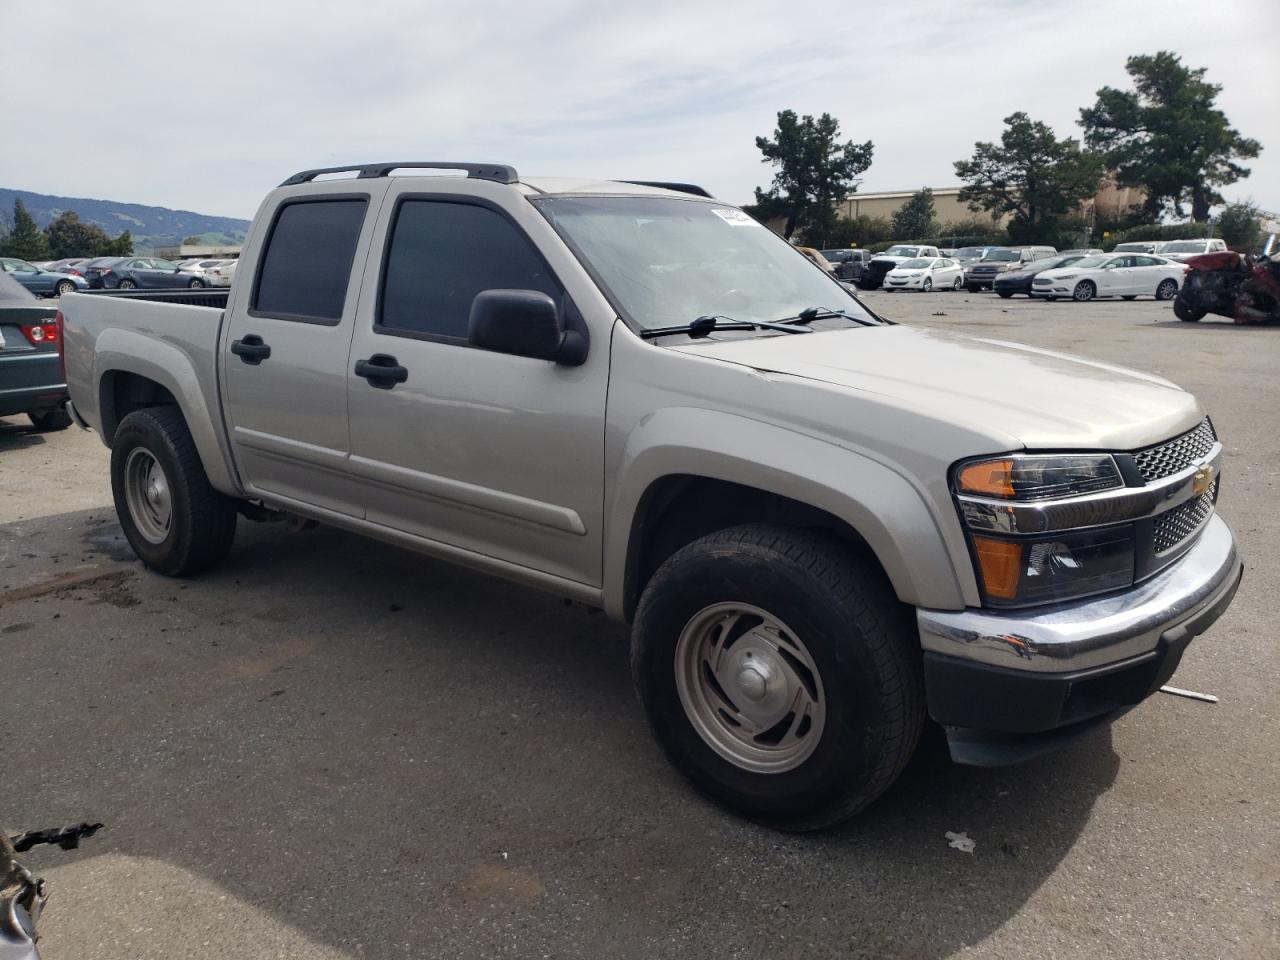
(880,504)
(124,352)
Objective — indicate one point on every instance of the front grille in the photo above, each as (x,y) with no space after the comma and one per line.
(1165,459)
(1174,526)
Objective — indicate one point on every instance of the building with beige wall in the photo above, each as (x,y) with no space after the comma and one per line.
(946,205)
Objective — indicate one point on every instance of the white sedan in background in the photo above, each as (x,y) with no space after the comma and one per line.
(925,273)
(1126,275)
(221,275)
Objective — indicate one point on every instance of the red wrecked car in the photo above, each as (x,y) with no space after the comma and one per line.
(1244,288)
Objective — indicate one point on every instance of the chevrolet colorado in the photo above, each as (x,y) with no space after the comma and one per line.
(824,527)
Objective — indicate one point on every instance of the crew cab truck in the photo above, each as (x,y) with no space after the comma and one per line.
(824,527)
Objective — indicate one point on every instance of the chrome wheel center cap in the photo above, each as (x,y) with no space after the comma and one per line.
(753,682)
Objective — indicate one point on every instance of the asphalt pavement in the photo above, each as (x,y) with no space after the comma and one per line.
(332,748)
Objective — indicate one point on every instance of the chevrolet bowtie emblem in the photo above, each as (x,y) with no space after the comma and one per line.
(1203,480)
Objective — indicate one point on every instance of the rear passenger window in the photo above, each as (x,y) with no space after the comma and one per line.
(305,269)
(441,255)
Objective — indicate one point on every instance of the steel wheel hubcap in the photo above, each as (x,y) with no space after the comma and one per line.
(750,688)
(147,495)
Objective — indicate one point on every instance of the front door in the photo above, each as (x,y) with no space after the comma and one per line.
(494,455)
(284,359)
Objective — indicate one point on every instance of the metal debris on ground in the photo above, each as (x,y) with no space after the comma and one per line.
(68,838)
(960,841)
(1189,694)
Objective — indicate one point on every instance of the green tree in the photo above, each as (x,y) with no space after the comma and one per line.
(1167,136)
(1240,224)
(1030,175)
(25,240)
(915,219)
(859,232)
(815,173)
(69,236)
(193,241)
(121,246)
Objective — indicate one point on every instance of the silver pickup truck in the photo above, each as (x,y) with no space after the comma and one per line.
(825,527)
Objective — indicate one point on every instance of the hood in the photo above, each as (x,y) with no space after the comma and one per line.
(1038,398)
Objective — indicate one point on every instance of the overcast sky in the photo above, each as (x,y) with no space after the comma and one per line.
(207,106)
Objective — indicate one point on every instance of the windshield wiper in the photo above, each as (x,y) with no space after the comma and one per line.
(702,326)
(811,314)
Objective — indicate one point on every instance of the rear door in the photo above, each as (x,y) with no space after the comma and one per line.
(496,455)
(284,356)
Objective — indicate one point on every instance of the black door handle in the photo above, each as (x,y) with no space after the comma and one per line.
(382,371)
(251,349)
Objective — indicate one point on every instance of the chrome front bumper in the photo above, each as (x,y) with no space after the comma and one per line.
(1091,634)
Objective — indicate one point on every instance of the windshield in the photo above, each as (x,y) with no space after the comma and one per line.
(1087,262)
(970,253)
(916,264)
(1001,256)
(1183,246)
(665,261)
(901,252)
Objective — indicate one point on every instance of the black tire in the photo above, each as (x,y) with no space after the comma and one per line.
(1084,291)
(196,284)
(203,521)
(861,642)
(973,289)
(126,284)
(48,421)
(1167,290)
(927,285)
(1187,313)
(1130,296)
(63,287)
(1004,294)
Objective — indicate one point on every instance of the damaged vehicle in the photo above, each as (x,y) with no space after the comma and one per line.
(1244,288)
(825,528)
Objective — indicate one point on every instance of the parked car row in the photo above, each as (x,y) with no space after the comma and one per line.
(57,277)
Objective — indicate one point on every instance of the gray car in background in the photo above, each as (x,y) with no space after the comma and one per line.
(982,275)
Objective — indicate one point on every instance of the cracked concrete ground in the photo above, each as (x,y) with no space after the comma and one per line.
(330,748)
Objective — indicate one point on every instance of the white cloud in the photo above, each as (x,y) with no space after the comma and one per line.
(207,108)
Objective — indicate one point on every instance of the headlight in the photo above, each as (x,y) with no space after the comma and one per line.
(1039,476)
(1065,276)
(1016,566)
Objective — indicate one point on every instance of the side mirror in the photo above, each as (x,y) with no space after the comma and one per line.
(525,323)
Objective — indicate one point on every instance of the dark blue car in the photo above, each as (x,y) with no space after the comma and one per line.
(43,283)
(31,379)
(139,273)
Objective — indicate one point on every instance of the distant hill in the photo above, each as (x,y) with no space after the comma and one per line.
(150,226)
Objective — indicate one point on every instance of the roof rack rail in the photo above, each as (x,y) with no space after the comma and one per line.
(497,172)
(693,188)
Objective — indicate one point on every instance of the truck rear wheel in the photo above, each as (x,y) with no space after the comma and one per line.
(175,521)
(779,673)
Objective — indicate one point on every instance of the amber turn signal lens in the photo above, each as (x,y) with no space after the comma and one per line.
(1000,562)
(991,478)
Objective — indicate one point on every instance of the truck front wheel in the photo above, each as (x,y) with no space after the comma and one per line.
(779,673)
(175,521)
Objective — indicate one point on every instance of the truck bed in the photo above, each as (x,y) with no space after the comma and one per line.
(168,337)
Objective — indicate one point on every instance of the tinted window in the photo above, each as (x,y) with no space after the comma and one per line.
(442,255)
(307,264)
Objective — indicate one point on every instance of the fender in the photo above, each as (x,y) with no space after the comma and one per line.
(881,504)
(125,351)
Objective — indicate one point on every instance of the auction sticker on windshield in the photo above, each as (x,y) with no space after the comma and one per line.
(735,217)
